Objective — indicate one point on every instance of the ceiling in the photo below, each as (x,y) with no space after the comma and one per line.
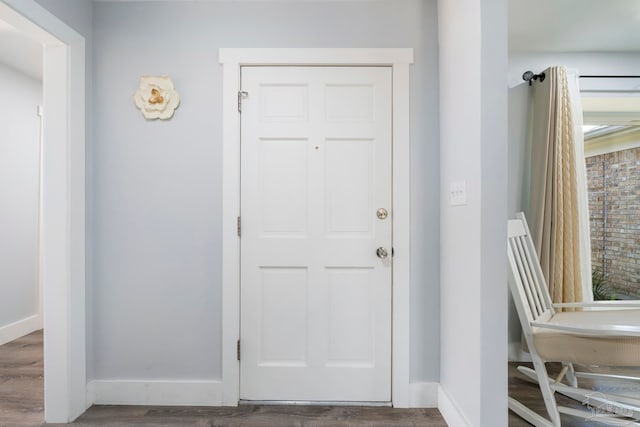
(20,52)
(574,25)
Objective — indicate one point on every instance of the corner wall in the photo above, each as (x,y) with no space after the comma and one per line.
(473,135)
(518,181)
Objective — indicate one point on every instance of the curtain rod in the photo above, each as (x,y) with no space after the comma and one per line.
(609,77)
(530,76)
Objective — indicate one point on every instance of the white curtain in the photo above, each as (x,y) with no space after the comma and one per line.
(558,208)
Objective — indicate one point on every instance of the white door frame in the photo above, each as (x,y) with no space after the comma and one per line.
(62,236)
(232,60)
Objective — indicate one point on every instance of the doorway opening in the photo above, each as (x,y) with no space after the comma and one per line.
(62,231)
(20,106)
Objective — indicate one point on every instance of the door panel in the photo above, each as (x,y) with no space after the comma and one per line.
(284,317)
(282,169)
(349,201)
(350,317)
(315,298)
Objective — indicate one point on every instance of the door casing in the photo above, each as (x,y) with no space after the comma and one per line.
(232,60)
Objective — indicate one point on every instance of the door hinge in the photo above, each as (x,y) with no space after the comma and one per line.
(239,226)
(238,349)
(241,95)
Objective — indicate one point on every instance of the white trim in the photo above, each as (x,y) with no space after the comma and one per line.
(230,240)
(20,328)
(401,237)
(317,56)
(62,243)
(232,60)
(145,392)
(618,141)
(452,415)
(39,277)
(423,395)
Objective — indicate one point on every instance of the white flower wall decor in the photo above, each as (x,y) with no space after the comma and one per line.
(156,97)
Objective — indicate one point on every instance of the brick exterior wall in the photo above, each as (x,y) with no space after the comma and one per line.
(614,211)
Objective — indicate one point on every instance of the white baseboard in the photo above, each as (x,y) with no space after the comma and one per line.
(517,354)
(449,410)
(423,395)
(203,393)
(144,392)
(20,328)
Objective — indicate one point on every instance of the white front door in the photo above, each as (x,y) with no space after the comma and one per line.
(315,183)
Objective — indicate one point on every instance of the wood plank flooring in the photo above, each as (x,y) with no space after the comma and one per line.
(529,395)
(22,382)
(250,416)
(21,404)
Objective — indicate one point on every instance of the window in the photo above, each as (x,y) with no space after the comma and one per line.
(612,151)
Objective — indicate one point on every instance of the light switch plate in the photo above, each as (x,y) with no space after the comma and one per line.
(458,193)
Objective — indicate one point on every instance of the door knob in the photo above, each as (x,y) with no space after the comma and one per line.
(381,252)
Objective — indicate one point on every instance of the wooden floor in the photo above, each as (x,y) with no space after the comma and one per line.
(528,394)
(21,382)
(21,404)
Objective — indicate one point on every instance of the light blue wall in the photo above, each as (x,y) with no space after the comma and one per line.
(77,14)
(519,149)
(19,190)
(156,186)
(473,132)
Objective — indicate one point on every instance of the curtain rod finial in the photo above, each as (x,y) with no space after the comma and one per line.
(529,76)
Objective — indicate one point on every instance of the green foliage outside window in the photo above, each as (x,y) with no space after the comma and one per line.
(601,290)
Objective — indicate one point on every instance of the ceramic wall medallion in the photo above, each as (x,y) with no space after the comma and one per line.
(156,97)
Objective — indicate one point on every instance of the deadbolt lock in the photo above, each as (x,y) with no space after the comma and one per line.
(382,213)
